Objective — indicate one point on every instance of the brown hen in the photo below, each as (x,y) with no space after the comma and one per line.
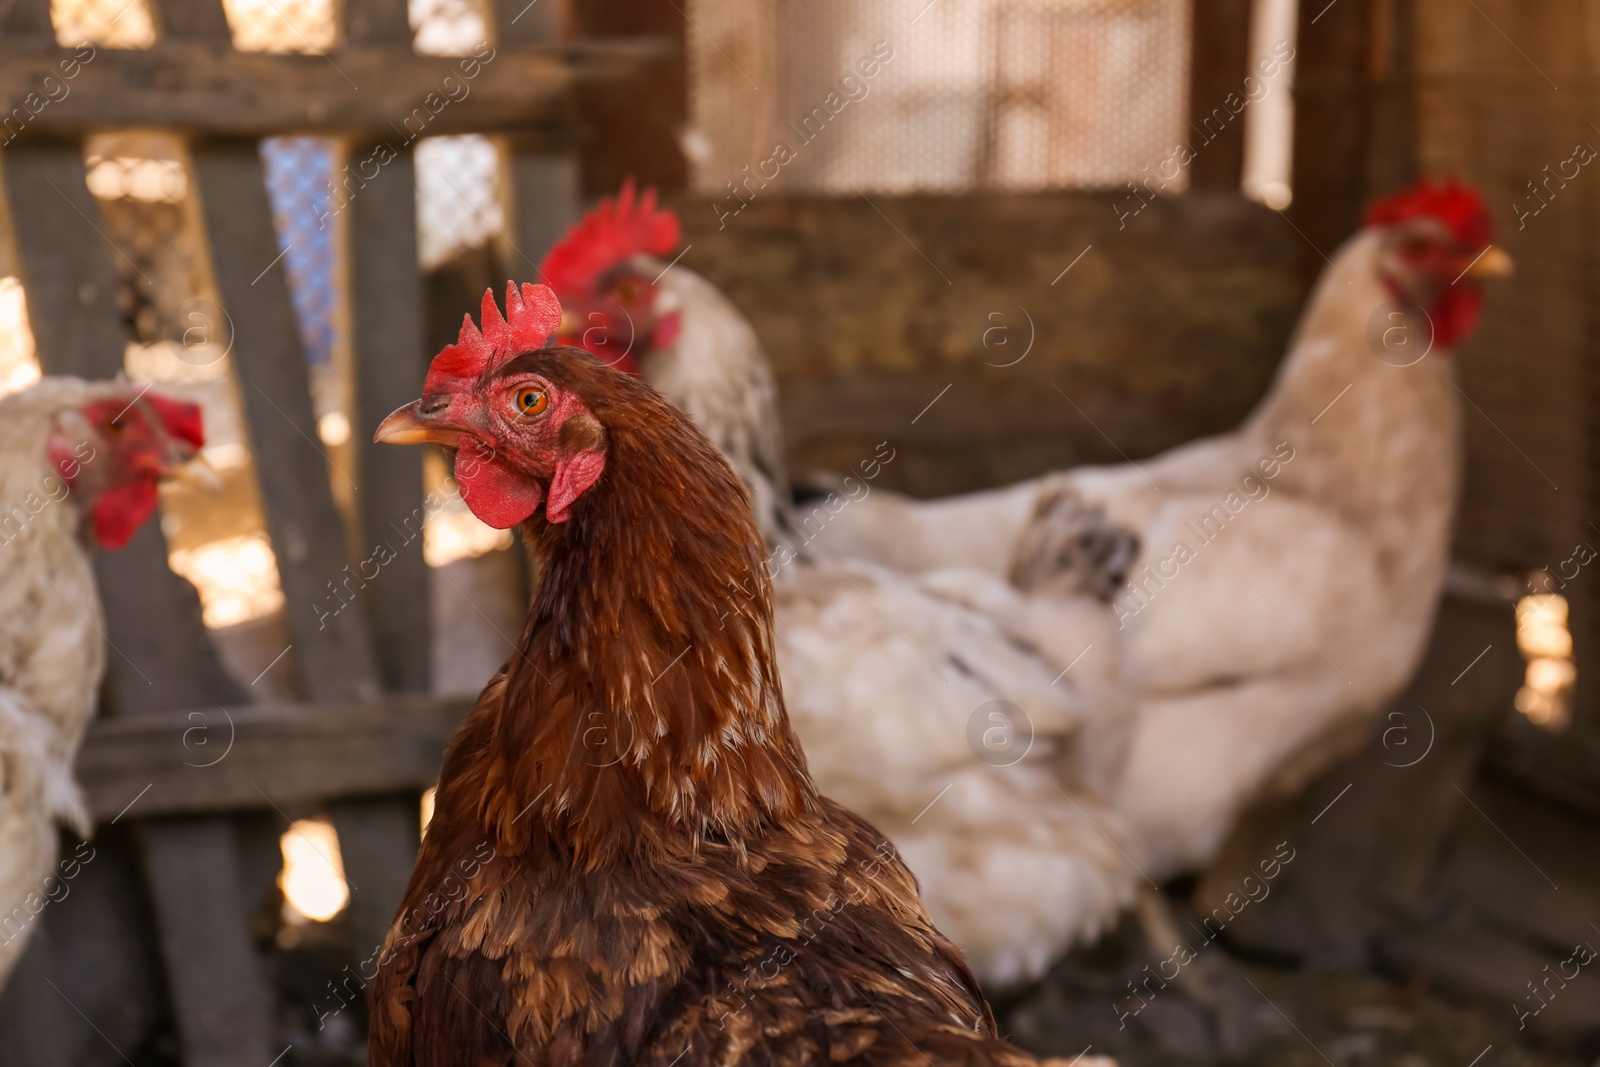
(628,862)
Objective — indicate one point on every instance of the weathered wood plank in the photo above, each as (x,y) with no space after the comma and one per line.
(67,276)
(206,87)
(292,753)
(379,837)
(386,329)
(222,1015)
(1219,61)
(193,20)
(377,22)
(27,20)
(332,651)
(546,198)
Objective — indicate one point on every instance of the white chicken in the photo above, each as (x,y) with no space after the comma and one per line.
(979,728)
(76,459)
(1289,570)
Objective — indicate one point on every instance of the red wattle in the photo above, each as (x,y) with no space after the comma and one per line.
(1455,315)
(498,496)
(119,512)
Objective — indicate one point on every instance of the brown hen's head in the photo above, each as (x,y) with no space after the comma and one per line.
(521,439)
(605,274)
(113,452)
(1437,246)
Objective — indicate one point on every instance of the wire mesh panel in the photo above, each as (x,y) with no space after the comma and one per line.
(300,174)
(458,196)
(906,95)
(448,27)
(304,26)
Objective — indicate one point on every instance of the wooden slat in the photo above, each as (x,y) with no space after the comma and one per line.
(377,22)
(66,272)
(202,87)
(27,20)
(386,328)
(294,753)
(1331,128)
(546,198)
(546,194)
(222,1014)
(194,20)
(331,649)
(1220,60)
(390,361)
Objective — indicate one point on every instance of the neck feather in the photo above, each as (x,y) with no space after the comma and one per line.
(644,703)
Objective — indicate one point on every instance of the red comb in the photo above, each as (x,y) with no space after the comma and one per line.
(532,316)
(1457,206)
(182,419)
(614,231)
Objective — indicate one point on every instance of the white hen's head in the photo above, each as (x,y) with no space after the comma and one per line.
(106,447)
(606,273)
(1435,248)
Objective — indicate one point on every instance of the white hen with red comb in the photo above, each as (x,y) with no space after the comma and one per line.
(73,454)
(1301,600)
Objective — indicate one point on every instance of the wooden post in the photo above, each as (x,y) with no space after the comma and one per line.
(1219,60)
(544,186)
(218,995)
(1331,125)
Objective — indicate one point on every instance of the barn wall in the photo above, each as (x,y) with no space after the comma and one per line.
(1166,329)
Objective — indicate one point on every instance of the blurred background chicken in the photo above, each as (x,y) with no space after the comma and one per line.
(894,682)
(78,460)
(1289,570)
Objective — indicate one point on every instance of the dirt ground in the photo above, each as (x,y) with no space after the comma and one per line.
(1284,1017)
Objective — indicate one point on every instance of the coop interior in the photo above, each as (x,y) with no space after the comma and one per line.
(989,253)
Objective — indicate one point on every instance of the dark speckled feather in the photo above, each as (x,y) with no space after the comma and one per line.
(628,863)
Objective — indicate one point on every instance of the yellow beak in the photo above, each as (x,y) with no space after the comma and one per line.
(1492,264)
(411,425)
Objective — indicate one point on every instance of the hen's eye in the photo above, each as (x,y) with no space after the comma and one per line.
(531,401)
(1415,247)
(627,292)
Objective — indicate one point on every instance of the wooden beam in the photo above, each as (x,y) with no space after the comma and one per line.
(291,753)
(219,998)
(1331,126)
(1219,61)
(206,87)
